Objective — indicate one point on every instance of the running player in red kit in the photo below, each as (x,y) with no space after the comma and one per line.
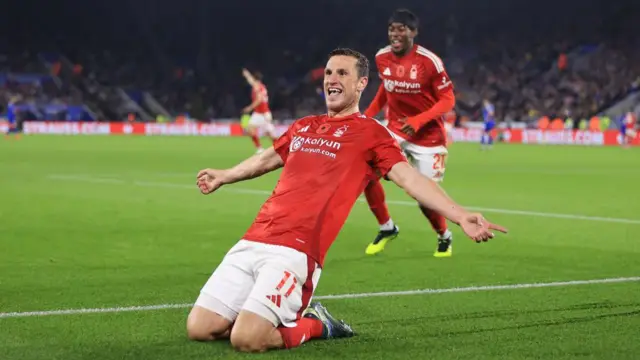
(259,296)
(628,129)
(261,118)
(418,93)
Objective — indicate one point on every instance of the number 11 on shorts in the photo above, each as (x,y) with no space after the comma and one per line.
(285,279)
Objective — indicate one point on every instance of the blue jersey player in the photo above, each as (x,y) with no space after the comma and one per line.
(488,115)
(15,125)
(628,128)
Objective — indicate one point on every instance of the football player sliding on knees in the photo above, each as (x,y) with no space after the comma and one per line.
(417,93)
(259,297)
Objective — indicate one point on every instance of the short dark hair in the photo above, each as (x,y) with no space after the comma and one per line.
(405,17)
(362,64)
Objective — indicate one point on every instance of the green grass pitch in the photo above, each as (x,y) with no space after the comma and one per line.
(101,222)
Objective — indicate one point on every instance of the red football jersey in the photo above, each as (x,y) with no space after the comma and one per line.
(327,164)
(412,85)
(263,106)
(630,120)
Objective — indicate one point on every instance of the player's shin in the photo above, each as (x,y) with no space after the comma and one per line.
(256,140)
(485,140)
(374,192)
(305,330)
(438,222)
(254,333)
(271,131)
(253,134)
(445,237)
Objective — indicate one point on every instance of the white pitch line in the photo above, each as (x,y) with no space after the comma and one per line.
(554,215)
(89,179)
(92,311)
(483,288)
(182,186)
(4,315)
(234,189)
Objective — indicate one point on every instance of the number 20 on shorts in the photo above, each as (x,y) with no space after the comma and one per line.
(439,161)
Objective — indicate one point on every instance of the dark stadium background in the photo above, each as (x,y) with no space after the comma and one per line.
(188,55)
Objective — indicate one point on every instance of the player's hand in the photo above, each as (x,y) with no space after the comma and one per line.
(245,72)
(476,227)
(407,128)
(210,180)
(246,110)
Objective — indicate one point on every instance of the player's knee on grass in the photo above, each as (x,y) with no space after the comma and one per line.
(206,325)
(253,333)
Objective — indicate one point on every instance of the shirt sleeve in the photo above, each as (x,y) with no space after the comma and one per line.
(446,102)
(282,144)
(438,77)
(384,151)
(379,101)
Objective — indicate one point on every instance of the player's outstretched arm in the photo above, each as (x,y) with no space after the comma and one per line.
(430,195)
(446,102)
(378,102)
(209,180)
(253,82)
(250,79)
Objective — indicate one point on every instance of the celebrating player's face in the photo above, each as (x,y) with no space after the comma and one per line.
(400,37)
(342,87)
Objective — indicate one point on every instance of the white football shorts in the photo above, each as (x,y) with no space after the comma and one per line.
(275,282)
(260,120)
(429,161)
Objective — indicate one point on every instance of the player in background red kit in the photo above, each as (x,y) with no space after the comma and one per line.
(261,118)
(259,296)
(418,93)
(628,129)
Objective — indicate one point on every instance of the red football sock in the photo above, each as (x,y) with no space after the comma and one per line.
(305,330)
(256,140)
(438,222)
(374,192)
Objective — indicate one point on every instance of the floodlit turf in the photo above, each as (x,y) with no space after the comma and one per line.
(94,222)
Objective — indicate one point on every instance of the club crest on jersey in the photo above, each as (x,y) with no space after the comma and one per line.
(323,128)
(340,131)
(413,73)
(296,143)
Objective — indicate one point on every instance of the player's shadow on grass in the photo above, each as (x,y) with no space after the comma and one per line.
(509,313)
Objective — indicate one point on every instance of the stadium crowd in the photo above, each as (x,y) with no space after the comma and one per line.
(541,68)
